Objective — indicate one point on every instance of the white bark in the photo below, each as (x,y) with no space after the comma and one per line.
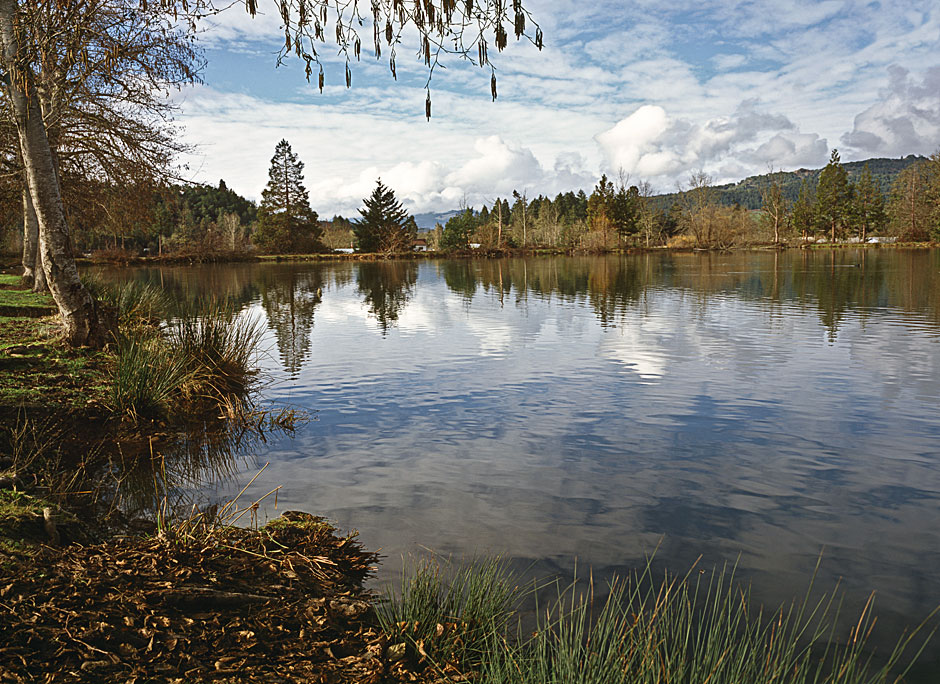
(30,240)
(77,308)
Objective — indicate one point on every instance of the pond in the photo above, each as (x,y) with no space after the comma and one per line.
(752,407)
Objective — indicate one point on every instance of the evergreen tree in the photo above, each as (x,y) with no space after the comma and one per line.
(385,225)
(599,206)
(802,214)
(286,223)
(910,207)
(672,220)
(580,206)
(868,209)
(833,197)
(625,211)
(519,218)
(458,230)
(933,194)
(206,201)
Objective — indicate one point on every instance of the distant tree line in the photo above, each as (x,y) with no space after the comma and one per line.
(829,204)
(614,214)
(839,207)
(899,198)
(748,192)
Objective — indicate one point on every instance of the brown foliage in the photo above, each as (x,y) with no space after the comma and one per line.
(284,603)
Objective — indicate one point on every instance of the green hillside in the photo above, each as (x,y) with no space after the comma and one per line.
(747,192)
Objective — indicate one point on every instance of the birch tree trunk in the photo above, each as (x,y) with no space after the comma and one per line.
(33,273)
(40,284)
(30,239)
(80,314)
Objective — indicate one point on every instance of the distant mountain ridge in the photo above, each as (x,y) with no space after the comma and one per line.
(747,192)
(428,220)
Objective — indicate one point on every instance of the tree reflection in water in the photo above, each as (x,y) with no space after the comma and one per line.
(289,299)
(386,287)
(166,474)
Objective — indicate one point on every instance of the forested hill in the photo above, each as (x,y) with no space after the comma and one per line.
(747,192)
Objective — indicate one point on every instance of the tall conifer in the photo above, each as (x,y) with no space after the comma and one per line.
(802,215)
(868,209)
(833,197)
(286,223)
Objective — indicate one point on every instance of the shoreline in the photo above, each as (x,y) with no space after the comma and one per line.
(167,595)
(11,260)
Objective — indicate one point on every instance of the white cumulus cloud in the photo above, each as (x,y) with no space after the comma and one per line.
(649,143)
(905,120)
(636,143)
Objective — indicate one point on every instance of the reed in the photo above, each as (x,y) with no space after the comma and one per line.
(149,378)
(219,348)
(136,301)
(448,615)
(687,630)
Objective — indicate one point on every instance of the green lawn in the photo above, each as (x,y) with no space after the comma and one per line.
(37,369)
(17,302)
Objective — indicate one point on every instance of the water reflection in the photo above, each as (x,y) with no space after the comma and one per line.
(160,475)
(386,287)
(289,301)
(766,405)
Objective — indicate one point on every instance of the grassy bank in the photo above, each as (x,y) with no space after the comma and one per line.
(150,370)
(644,629)
(77,424)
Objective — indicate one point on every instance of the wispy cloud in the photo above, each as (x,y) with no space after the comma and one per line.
(729,88)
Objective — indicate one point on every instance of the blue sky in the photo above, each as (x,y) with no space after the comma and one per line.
(729,87)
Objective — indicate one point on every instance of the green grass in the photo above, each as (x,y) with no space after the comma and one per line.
(8,279)
(149,378)
(135,301)
(682,630)
(37,369)
(449,615)
(204,358)
(21,523)
(219,347)
(25,302)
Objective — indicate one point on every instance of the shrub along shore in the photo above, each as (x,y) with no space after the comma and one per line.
(90,594)
(125,258)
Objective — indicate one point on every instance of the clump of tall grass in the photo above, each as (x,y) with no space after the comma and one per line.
(449,615)
(219,347)
(203,358)
(680,629)
(149,377)
(136,301)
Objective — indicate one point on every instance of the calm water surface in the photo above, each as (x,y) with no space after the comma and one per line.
(767,406)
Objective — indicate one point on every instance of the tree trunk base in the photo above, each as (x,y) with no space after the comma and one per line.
(94,326)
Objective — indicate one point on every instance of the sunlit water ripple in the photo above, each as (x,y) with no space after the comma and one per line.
(763,406)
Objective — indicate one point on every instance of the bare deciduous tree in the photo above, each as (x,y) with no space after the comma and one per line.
(442,27)
(773,203)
